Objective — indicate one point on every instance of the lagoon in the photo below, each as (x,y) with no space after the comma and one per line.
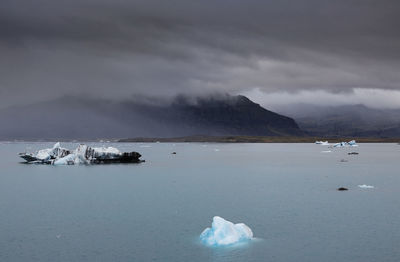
(155,211)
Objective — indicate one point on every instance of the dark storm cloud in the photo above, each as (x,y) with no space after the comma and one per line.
(120,48)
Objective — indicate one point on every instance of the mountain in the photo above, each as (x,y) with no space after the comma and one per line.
(85,118)
(348,120)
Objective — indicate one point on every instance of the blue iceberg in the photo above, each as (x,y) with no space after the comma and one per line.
(223,232)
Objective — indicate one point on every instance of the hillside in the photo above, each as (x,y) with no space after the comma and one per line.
(81,118)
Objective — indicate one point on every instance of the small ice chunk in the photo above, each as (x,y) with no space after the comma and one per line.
(341,144)
(346,144)
(352,143)
(326,151)
(223,232)
(365,186)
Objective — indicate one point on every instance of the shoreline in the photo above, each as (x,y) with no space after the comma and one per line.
(216,139)
(256,139)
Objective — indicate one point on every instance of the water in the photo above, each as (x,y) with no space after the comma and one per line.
(155,211)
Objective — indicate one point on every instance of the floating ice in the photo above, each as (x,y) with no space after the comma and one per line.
(49,153)
(327,151)
(324,143)
(352,142)
(223,232)
(67,160)
(341,144)
(365,186)
(346,144)
(83,154)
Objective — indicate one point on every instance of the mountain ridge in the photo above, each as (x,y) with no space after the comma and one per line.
(87,118)
(345,121)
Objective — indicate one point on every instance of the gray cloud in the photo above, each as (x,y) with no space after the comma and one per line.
(117,49)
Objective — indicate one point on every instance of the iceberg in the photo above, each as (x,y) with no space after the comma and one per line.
(223,232)
(83,154)
(352,142)
(67,160)
(323,143)
(341,144)
(346,144)
(46,155)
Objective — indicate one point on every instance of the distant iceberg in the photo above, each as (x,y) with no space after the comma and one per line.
(341,144)
(323,143)
(352,143)
(83,154)
(365,186)
(346,144)
(223,232)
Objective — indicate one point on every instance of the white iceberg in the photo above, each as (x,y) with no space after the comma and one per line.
(83,154)
(223,232)
(323,143)
(352,143)
(341,144)
(346,144)
(51,153)
(67,160)
(365,186)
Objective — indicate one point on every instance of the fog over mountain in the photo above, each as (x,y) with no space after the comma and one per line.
(84,118)
(349,120)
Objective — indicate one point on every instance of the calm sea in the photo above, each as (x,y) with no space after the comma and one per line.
(155,211)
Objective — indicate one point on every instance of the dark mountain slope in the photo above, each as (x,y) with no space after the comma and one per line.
(80,118)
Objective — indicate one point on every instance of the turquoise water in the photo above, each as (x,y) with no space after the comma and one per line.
(155,211)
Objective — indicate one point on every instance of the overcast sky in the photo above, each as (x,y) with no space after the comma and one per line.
(282,51)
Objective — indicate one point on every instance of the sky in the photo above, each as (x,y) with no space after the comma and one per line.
(276,52)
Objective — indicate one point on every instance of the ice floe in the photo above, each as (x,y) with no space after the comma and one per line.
(323,143)
(346,144)
(365,186)
(223,232)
